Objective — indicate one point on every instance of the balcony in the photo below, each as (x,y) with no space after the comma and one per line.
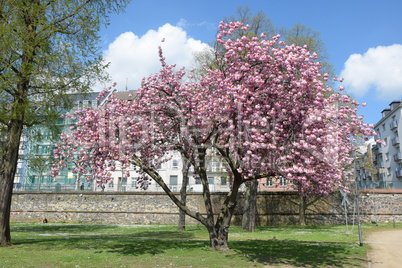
(395,141)
(393,125)
(398,157)
(380,164)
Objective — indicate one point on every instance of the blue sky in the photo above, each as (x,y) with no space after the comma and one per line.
(363,39)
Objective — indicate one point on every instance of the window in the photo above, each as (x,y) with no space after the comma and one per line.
(173,179)
(197,181)
(283,181)
(175,164)
(269,182)
(215,166)
(224,181)
(134,182)
(211,180)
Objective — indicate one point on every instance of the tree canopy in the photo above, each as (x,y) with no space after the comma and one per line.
(264,113)
(48,49)
(260,23)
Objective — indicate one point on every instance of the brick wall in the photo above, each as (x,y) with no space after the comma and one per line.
(274,208)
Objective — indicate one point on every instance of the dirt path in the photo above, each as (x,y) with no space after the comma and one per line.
(386,249)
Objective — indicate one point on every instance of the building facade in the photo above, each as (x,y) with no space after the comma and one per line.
(366,171)
(34,172)
(38,146)
(388,155)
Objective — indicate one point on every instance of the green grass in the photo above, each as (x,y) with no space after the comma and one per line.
(82,245)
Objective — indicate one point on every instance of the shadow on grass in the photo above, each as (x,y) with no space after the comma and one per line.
(153,242)
(133,245)
(293,227)
(164,234)
(278,252)
(59,228)
(298,253)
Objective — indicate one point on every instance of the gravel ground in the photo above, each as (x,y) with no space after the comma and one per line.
(386,249)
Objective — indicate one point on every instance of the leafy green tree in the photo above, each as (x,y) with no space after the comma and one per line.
(259,23)
(301,35)
(40,164)
(48,48)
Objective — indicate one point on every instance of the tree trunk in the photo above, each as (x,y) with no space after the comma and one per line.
(40,180)
(246,208)
(218,237)
(183,194)
(219,234)
(9,161)
(250,206)
(77,182)
(302,209)
(15,124)
(181,226)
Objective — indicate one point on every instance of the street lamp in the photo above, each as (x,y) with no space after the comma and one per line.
(359,227)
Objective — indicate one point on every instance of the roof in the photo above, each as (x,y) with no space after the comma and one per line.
(393,107)
(125,95)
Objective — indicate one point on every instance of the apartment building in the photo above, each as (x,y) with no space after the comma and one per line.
(39,143)
(34,169)
(366,171)
(172,173)
(388,156)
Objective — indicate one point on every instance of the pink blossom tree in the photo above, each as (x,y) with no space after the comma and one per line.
(263,111)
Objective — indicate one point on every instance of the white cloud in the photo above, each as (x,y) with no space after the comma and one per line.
(182,23)
(380,68)
(132,58)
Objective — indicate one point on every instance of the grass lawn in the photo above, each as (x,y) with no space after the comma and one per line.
(83,245)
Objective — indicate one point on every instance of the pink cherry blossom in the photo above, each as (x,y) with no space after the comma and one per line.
(265,112)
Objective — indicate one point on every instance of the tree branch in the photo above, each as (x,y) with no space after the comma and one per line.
(155,176)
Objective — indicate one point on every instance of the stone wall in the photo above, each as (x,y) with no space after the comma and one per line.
(381,206)
(274,208)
